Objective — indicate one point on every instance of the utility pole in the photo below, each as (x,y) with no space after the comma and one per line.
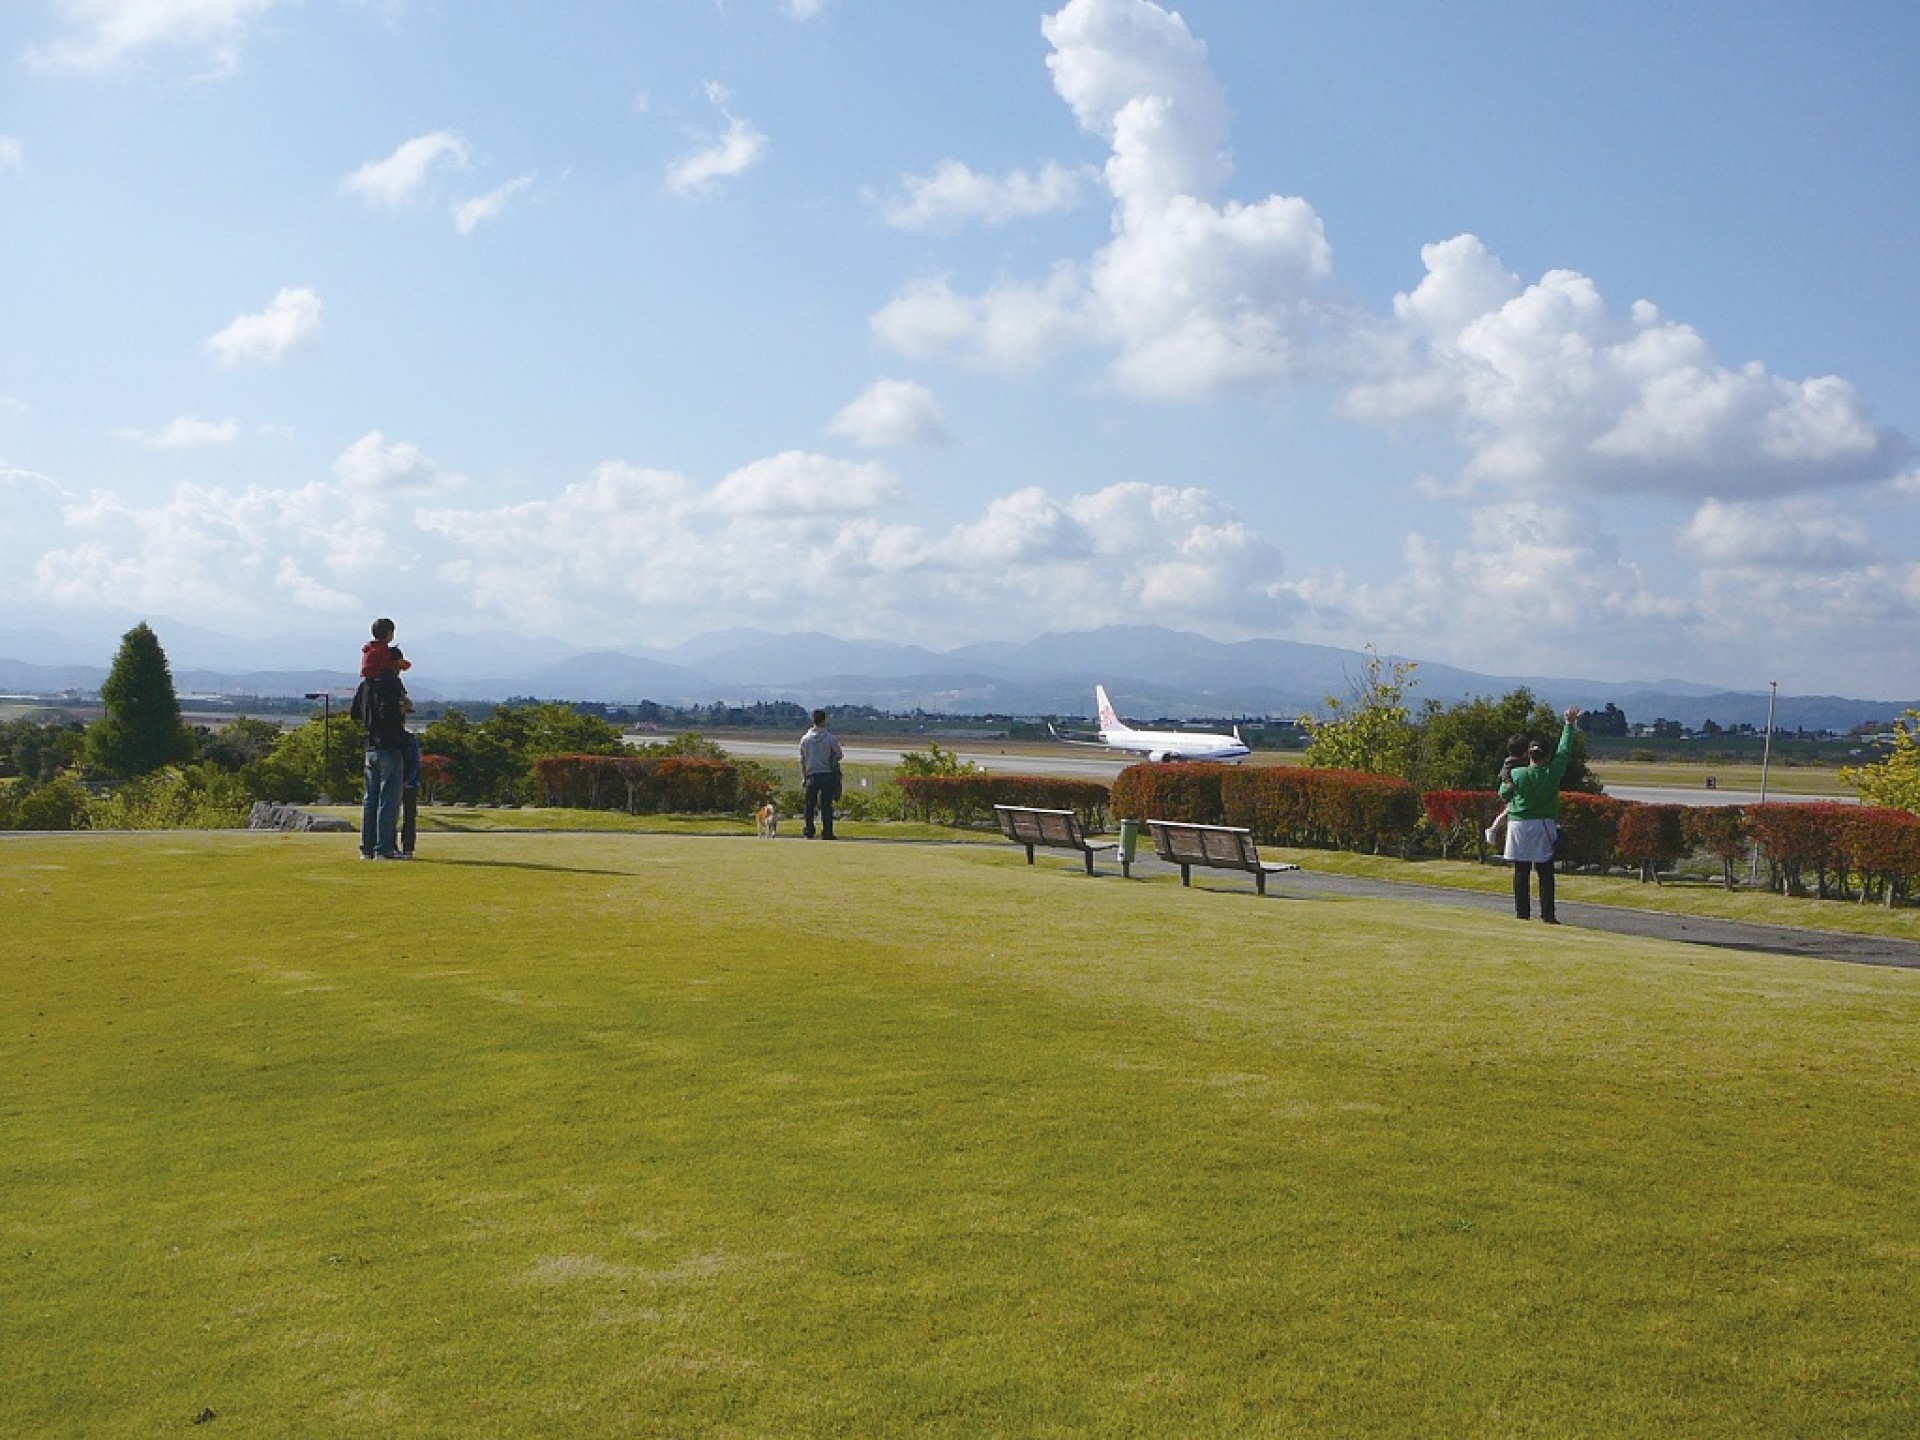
(326,738)
(1766,753)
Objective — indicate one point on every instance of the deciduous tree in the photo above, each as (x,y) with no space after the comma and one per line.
(1370,730)
(1895,781)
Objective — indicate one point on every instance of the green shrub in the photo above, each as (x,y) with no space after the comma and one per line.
(60,804)
(200,797)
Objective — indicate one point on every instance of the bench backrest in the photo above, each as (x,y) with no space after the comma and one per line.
(1039,827)
(1189,844)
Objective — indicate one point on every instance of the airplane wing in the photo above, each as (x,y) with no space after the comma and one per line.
(1071,740)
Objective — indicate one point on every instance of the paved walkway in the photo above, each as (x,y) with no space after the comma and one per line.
(1654,925)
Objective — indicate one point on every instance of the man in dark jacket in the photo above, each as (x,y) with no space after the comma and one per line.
(820,756)
(381,708)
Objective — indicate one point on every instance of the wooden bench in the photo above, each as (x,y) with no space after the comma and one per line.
(1058,829)
(1225,847)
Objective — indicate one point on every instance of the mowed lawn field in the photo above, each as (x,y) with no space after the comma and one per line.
(696,1136)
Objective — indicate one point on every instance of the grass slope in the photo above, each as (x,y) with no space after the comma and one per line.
(666,1135)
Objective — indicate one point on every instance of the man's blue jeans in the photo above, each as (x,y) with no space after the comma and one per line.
(380,811)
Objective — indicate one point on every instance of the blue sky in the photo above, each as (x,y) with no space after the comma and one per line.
(1532,338)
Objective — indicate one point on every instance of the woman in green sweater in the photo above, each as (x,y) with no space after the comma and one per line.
(1532,793)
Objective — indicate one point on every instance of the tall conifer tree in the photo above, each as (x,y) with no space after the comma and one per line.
(142,730)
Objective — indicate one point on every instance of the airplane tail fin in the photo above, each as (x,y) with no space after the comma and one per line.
(1108,720)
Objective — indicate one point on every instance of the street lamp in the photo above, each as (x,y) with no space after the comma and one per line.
(326,738)
(1766,753)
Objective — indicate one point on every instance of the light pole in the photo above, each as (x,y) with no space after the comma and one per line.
(1766,753)
(326,737)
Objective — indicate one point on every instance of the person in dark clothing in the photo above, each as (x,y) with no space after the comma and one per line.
(1532,793)
(409,789)
(380,706)
(820,756)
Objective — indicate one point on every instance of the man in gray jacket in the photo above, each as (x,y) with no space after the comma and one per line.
(820,755)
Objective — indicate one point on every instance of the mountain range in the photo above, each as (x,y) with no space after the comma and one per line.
(1152,673)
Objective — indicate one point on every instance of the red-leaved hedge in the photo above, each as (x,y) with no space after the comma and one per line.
(1461,818)
(1651,837)
(1589,830)
(963,799)
(645,785)
(1721,831)
(1281,805)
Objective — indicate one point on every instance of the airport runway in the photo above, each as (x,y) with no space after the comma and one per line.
(1083,765)
(1093,765)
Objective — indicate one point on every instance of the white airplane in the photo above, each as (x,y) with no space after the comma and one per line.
(1156,745)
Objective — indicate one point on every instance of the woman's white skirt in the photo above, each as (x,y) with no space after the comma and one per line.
(1531,841)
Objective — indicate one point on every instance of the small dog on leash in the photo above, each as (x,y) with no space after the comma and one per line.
(768,820)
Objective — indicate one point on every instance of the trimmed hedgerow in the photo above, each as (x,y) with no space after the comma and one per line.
(1651,838)
(965,799)
(1721,831)
(1882,849)
(1293,805)
(1797,839)
(1189,791)
(646,785)
(1589,831)
(1461,817)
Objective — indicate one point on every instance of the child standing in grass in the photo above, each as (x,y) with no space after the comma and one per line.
(1516,755)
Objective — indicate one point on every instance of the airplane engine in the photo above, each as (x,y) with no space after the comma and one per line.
(1157,757)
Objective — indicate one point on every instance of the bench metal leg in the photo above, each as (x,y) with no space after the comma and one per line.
(1029,854)
(1088,854)
(1260,881)
(1186,875)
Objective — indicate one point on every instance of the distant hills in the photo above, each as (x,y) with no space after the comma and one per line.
(1152,673)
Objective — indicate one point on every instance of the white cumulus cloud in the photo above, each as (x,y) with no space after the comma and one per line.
(101,33)
(1543,385)
(715,159)
(1548,385)
(1191,294)
(1801,533)
(955,192)
(1542,588)
(394,181)
(208,553)
(1012,327)
(187,432)
(810,538)
(376,464)
(290,322)
(891,412)
(470,215)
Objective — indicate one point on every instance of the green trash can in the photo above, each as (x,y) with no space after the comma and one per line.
(1129,838)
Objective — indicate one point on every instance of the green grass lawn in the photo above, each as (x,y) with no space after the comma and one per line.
(553,1134)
